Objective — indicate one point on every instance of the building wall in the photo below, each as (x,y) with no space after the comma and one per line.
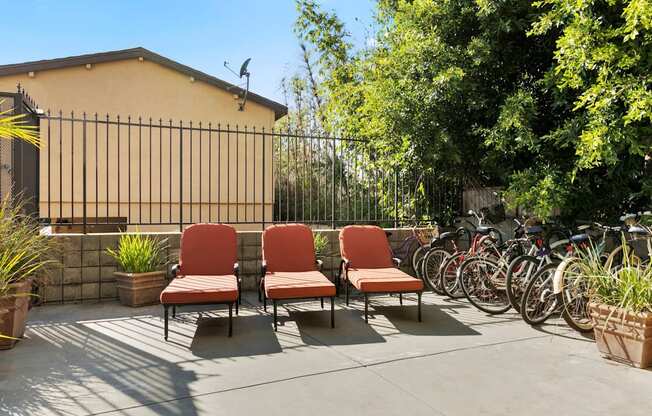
(143,89)
(85,272)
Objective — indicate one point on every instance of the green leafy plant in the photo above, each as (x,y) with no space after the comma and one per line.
(15,126)
(138,253)
(321,244)
(24,250)
(626,285)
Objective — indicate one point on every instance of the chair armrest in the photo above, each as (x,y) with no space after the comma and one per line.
(174,270)
(320,264)
(236,269)
(397,261)
(263,268)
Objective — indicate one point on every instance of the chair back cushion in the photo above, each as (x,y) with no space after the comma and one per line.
(289,248)
(365,246)
(208,249)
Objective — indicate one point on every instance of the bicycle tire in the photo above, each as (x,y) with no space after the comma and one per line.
(515,283)
(483,282)
(431,267)
(417,255)
(540,287)
(448,275)
(576,315)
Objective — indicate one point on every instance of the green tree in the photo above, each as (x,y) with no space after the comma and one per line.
(549,99)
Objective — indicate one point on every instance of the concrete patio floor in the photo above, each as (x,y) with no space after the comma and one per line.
(107,359)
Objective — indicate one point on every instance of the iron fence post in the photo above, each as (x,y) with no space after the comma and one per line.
(181,176)
(264,175)
(333,190)
(84,196)
(395,197)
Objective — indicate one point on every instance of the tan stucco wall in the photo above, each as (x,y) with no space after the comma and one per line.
(145,89)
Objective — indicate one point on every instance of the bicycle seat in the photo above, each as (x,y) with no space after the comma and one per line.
(535,229)
(449,235)
(579,238)
(483,230)
(638,230)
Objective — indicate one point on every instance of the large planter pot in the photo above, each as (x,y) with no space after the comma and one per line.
(622,335)
(13,313)
(140,289)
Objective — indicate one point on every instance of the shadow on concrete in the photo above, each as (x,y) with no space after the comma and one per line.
(350,328)
(252,335)
(74,365)
(434,321)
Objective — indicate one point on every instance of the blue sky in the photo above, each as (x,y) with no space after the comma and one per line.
(201,34)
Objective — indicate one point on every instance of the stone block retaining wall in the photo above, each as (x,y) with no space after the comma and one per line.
(85,271)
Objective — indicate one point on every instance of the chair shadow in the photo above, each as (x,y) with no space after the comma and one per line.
(434,322)
(252,335)
(350,328)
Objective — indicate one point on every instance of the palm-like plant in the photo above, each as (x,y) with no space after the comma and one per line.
(16,126)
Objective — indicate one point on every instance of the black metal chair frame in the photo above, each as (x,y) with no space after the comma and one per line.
(238,301)
(344,269)
(263,297)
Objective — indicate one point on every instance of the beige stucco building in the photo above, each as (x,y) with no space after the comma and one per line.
(134,169)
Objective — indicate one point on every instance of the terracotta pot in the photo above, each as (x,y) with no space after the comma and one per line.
(622,335)
(13,313)
(140,289)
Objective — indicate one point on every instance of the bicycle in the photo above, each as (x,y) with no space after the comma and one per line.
(411,248)
(571,288)
(539,301)
(482,242)
(539,253)
(483,277)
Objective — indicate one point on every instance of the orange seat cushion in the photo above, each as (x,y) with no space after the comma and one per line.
(365,247)
(201,289)
(385,280)
(288,248)
(208,250)
(293,285)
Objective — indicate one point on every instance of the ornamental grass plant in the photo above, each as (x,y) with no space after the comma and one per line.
(139,253)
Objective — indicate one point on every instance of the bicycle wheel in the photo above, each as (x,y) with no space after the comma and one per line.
(483,282)
(417,256)
(539,301)
(448,275)
(519,273)
(573,295)
(431,267)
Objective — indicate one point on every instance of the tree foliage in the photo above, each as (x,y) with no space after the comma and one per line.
(550,99)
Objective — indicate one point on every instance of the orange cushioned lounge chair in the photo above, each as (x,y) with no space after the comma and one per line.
(289,269)
(368,265)
(207,273)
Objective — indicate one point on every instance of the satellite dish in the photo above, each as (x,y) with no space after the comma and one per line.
(243,73)
(243,68)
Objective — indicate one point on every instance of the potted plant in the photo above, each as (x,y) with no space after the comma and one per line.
(24,253)
(620,304)
(142,273)
(321,245)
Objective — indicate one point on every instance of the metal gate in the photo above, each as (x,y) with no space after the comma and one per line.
(19,161)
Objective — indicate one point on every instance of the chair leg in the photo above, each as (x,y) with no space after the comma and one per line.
(165,317)
(419,306)
(332,312)
(237,303)
(322,303)
(174,311)
(231,318)
(366,308)
(259,291)
(346,289)
(264,302)
(275,322)
(400,299)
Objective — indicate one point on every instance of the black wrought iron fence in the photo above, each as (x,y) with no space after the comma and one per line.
(119,171)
